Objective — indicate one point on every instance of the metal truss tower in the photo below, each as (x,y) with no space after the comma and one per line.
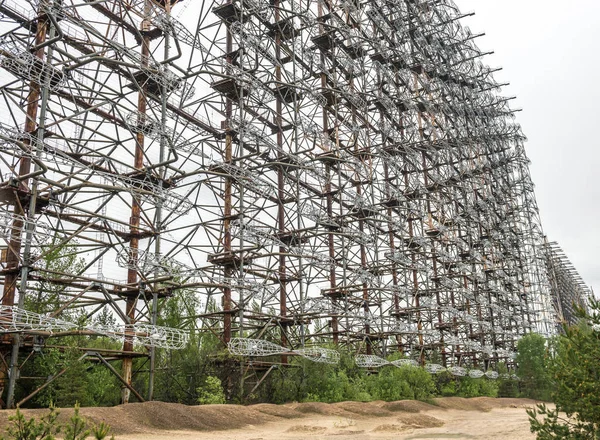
(316,170)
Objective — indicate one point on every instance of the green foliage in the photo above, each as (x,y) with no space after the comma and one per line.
(450,389)
(445,384)
(211,392)
(101,431)
(575,371)
(392,383)
(85,382)
(310,381)
(59,259)
(182,374)
(22,429)
(506,387)
(553,426)
(72,387)
(77,428)
(532,361)
(448,385)
(470,387)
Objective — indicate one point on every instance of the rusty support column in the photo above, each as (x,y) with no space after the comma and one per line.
(136,210)
(21,208)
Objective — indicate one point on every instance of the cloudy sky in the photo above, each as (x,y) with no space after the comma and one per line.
(549,52)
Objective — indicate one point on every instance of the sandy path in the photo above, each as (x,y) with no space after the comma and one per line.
(429,423)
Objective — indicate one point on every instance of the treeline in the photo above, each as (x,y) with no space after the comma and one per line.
(204,372)
(312,382)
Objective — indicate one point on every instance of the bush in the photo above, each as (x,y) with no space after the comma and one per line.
(212,392)
(392,383)
(77,428)
(448,385)
(445,384)
(22,429)
(308,381)
(470,387)
(388,385)
(316,382)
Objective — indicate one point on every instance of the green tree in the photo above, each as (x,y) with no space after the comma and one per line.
(72,387)
(77,428)
(81,381)
(58,262)
(182,373)
(575,371)
(211,392)
(532,367)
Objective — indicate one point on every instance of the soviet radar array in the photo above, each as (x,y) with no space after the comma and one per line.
(319,173)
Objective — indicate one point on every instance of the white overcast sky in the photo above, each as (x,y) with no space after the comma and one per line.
(550,55)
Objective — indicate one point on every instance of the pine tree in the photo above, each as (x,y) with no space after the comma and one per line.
(575,372)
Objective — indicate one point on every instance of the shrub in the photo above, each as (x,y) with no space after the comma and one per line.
(388,385)
(77,428)
(211,392)
(309,381)
(470,387)
(22,429)
(448,385)
(392,383)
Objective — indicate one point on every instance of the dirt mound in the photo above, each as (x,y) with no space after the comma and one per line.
(283,411)
(508,402)
(323,409)
(420,421)
(410,406)
(141,417)
(346,432)
(463,404)
(144,418)
(115,417)
(370,409)
(484,404)
(136,418)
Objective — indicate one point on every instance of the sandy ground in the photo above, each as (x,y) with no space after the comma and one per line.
(446,418)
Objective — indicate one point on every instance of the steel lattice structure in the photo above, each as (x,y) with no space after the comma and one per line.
(327,171)
(568,288)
